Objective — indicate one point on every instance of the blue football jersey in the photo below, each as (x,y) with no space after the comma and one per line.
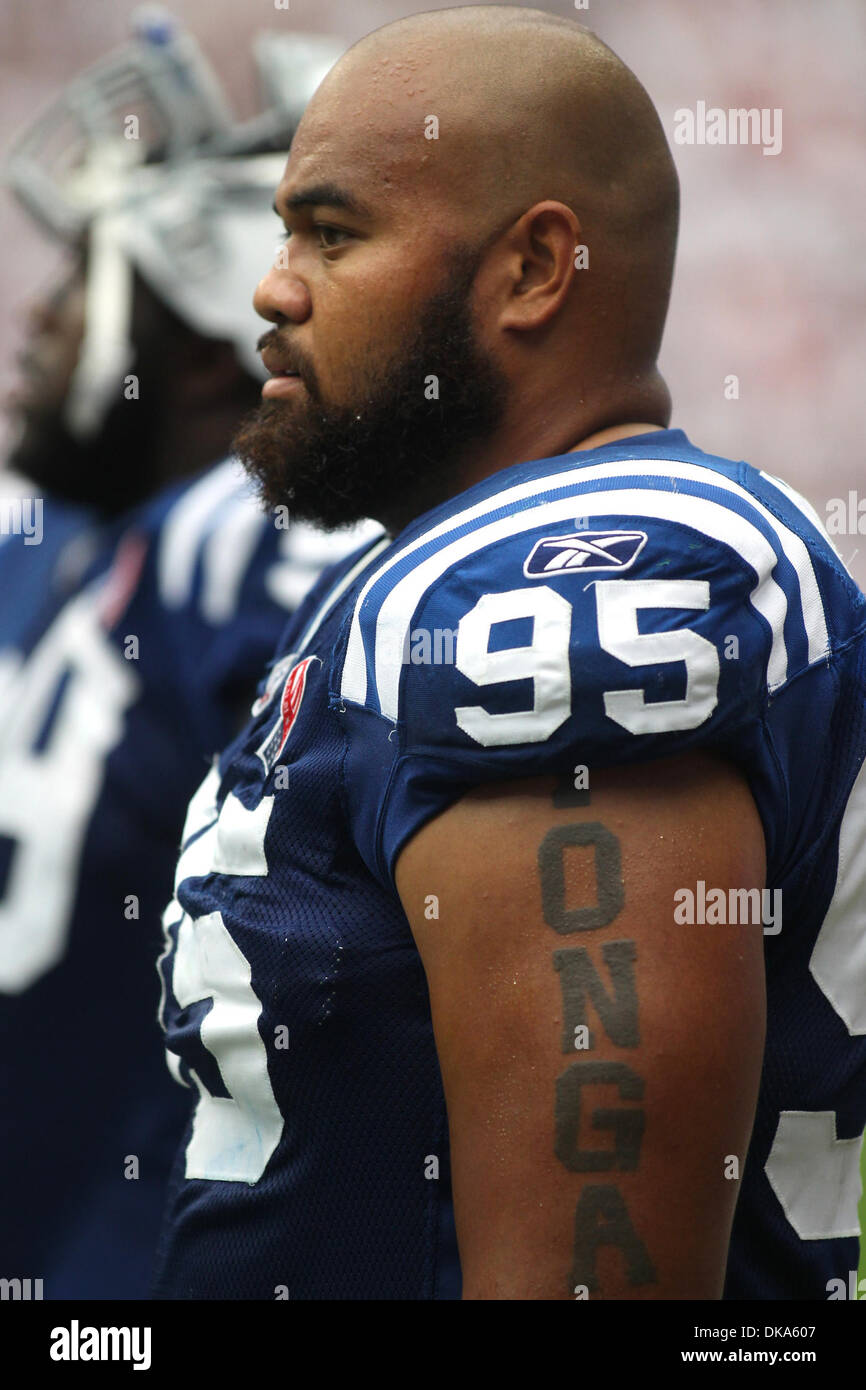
(46,546)
(109,714)
(604,607)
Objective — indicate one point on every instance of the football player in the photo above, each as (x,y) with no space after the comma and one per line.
(130,642)
(516,950)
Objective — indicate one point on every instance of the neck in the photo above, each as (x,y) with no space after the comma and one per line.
(531,430)
(610,436)
(592,441)
(551,446)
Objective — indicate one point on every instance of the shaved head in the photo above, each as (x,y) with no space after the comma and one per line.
(530,106)
(482,214)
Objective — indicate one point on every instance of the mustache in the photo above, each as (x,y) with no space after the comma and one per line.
(290,360)
(269,339)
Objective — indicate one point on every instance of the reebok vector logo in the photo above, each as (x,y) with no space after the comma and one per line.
(582,551)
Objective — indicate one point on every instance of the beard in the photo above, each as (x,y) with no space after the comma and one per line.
(399,446)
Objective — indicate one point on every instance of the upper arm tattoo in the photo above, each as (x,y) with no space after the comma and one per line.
(601,1216)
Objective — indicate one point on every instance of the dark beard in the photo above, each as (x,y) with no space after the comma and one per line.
(392,453)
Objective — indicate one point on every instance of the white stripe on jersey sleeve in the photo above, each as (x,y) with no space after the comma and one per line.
(710,518)
(354,686)
(804,506)
(339,589)
(793,546)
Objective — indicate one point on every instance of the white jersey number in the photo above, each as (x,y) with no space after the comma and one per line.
(49,786)
(546,660)
(232,1136)
(816,1176)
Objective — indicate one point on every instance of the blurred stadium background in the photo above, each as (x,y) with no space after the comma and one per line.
(771,281)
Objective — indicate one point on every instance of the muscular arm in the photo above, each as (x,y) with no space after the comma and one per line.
(600,1060)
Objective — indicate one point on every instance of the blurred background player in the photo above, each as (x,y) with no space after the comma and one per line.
(133,634)
(138,169)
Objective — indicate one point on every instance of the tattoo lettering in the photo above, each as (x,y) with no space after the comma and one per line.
(608,874)
(627,1125)
(581,981)
(601,1217)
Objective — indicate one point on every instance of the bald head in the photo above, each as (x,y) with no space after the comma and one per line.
(528,107)
(481,210)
